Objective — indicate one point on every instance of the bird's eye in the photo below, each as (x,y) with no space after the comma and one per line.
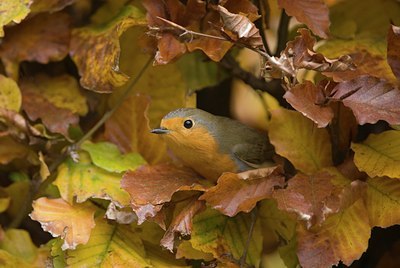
(188,124)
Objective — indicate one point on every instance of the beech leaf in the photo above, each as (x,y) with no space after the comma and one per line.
(150,187)
(18,243)
(300,141)
(393,49)
(313,13)
(240,192)
(304,98)
(378,155)
(370,98)
(72,222)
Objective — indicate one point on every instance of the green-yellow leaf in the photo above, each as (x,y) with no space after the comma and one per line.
(12,11)
(73,223)
(56,252)
(107,156)
(299,140)
(223,236)
(18,243)
(9,260)
(110,245)
(84,180)
(383,202)
(379,154)
(95,50)
(10,95)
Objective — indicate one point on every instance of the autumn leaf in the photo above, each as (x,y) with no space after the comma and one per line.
(370,98)
(12,150)
(49,5)
(313,13)
(393,50)
(10,95)
(4,200)
(83,180)
(150,187)
(72,222)
(43,38)
(107,156)
(342,237)
(300,141)
(223,236)
(12,11)
(110,245)
(378,154)
(100,43)
(305,97)
(240,192)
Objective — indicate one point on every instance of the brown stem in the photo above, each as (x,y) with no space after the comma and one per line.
(283,32)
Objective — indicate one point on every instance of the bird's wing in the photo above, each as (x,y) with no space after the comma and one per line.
(254,155)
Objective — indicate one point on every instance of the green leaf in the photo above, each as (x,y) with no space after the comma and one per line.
(107,156)
(223,236)
(58,255)
(300,141)
(110,245)
(10,95)
(12,11)
(84,180)
(379,155)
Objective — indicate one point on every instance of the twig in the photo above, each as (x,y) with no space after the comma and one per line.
(283,31)
(260,24)
(254,216)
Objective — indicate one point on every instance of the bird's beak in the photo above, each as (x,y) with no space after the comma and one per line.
(160,130)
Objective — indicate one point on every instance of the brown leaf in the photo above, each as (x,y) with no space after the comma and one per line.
(129,129)
(235,193)
(43,38)
(150,187)
(393,49)
(242,26)
(306,98)
(313,13)
(182,223)
(49,5)
(370,98)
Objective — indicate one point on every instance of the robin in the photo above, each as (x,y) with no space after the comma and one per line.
(212,144)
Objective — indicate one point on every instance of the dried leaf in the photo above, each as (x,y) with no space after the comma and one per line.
(342,237)
(10,95)
(12,11)
(107,156)
(313,13)
(300,52)
(72,222)
(182,223)
(378,154)
(393,50)
(43,38)
(110,245)
(240,192)
(242,26)
(382,201)
(83,180)
(150,187)
(300,141)
(305,99)
(370,98)
(95,50)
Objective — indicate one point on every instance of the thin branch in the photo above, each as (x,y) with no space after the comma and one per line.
(283,32)
(260,24)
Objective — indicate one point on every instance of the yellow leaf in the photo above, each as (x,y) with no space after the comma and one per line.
(18,191)
(11,150)
(8,260)
(383,202)
(12,11)
(19,243)
(300,141)
(4,200)
(10,95)
(379,154)
(44,169)
(95,50)
(110,245)
(72,222)
(84,180)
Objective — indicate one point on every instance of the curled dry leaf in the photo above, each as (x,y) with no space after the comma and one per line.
(308,99)
(42,38)
(182,223)
(240,192)
(150,187)
(313,13)
(393,49)
(242,27)
(371,99)
(72,222)
(300,54)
